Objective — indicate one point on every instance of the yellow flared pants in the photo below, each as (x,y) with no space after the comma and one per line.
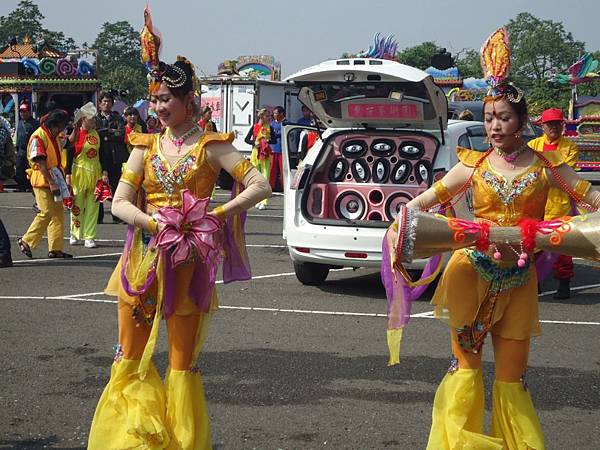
(50,220)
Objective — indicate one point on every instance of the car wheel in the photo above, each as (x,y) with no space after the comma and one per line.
(311,274)
(225,181)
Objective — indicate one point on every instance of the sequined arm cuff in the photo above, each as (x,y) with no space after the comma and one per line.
(582,188)
(219,213)
(441,192)
(242,167)
(131,178)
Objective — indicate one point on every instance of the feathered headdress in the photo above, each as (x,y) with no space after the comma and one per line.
(495,62)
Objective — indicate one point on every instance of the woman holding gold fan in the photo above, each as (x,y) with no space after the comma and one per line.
(510,184)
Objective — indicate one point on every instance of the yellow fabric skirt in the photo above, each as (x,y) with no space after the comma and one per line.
(461,292)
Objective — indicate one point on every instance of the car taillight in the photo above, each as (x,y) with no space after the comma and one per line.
(302,249)
(300,177)
(355,255)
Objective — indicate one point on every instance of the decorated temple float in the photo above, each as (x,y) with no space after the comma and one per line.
(243,86)
(583,124)
(44,76)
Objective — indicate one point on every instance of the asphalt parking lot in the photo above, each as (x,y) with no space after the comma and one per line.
(285,366)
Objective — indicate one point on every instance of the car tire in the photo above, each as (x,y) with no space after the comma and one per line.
(225,181)
(311,274)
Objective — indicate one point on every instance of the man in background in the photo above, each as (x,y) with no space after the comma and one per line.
(113,149)
(27,125)
(278,121)
(559,202)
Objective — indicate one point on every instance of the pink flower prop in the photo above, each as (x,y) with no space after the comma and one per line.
(187,229)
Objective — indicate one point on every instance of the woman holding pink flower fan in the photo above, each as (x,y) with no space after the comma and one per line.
(168,268)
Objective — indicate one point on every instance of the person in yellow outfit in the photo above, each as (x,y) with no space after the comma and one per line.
(492,288)
(559,202)
(83,172)
(169,174)
(261,136)
(47,179)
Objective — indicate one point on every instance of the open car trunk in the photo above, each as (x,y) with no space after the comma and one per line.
(360,178)
(379,151)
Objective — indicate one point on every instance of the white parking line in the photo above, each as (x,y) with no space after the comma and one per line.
(423,315)
(63,259)
(576,288)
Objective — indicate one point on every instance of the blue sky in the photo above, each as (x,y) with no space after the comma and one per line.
(303,33)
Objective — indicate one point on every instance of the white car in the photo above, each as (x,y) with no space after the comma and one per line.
(387,139)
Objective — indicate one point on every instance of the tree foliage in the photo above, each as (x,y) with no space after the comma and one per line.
(468,62)
(26,20)
(420,55)
(540,49)
(120,67)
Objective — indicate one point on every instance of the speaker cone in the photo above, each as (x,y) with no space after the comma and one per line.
(394,202)
(350,205)
(423,171)
(381,170)
(400,172)
(338,170)
(383,147)
(360,170)
(354,149)
(412,150)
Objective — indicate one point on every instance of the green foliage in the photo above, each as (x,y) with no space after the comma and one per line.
(540,49)
(27,19)
(468,63)
(420,55)
(118,48)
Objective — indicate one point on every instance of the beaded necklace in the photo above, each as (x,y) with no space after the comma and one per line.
(179,141)
(510,158)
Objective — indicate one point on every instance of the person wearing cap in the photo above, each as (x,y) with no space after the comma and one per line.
(27,125)
(559,203)
(83,170)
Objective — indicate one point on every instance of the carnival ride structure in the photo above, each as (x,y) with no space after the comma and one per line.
(41,76)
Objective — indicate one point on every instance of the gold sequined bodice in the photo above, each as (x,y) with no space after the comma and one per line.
(505,203)
(163,182)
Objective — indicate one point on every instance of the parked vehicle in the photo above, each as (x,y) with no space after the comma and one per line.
(387,140)
(234,101)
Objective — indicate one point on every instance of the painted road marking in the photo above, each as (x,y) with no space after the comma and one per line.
(423,315)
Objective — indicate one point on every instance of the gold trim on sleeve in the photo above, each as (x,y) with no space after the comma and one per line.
(241,168)
(441,192)
(131,178)
(582,187)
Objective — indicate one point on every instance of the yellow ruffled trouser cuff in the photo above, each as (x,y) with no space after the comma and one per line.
(187,415)
(514,418)
(458,411)
(130,413)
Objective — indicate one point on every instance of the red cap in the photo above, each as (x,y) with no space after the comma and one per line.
(24,107)
(552,115)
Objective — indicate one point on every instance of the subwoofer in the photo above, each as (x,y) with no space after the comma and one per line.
(350,205)
(394,202)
